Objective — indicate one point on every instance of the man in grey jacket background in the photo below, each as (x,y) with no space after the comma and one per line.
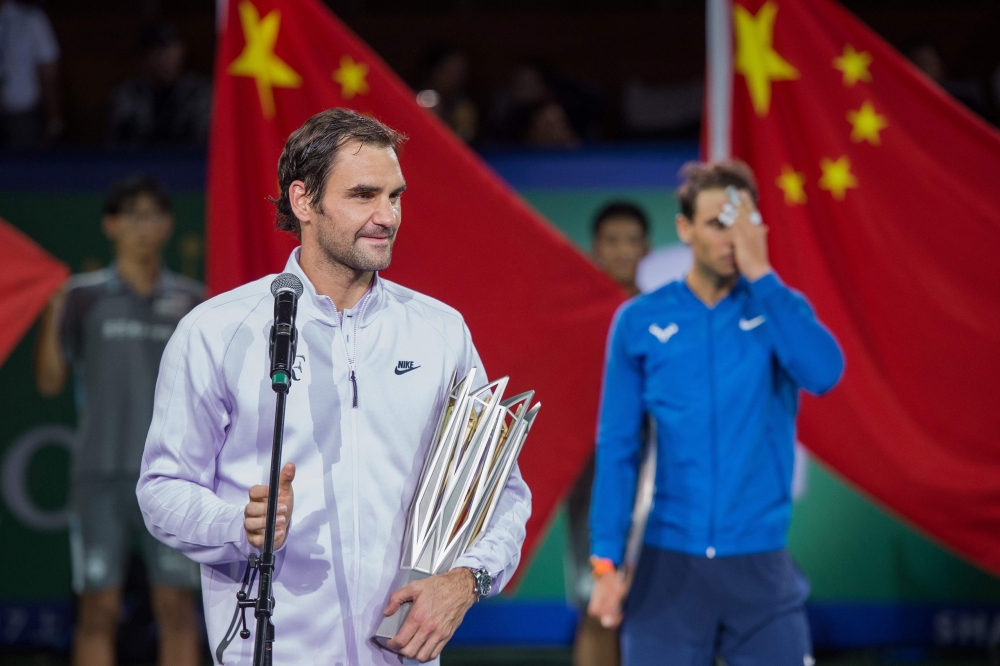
(356,433)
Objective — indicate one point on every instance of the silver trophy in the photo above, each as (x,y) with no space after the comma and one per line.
(479,437)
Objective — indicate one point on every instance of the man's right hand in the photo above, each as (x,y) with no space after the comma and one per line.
(255,515)
(607,598)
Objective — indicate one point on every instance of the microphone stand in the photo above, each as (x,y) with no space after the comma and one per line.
(264,603)
(283,343)
(263,565)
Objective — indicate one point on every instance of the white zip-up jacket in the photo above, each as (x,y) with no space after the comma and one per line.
(356,467)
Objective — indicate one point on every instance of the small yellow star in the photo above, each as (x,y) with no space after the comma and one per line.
(793,184)
(351,77)
(258,60)
(837,177)
(866,124)
(756,59)
(854,65)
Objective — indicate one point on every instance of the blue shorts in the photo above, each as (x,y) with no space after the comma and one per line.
(684,610)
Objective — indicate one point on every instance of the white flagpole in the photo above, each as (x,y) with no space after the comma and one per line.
(221,13)
(719,74)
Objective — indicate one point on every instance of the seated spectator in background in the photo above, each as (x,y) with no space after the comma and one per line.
(925,55)
(548,126)
(537,101)
(621,240)
(109,328)
(163,105)
(444,91)
(29,77)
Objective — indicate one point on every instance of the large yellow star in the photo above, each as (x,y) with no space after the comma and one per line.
(853,65)
(351,77)
(258,60)
(793,184)
(837,177)
(866,124)
(756,59)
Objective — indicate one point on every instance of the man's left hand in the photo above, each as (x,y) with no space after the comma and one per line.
(750,242)
(439,604)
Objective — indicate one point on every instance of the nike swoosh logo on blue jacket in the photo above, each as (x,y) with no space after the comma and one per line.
(724,396)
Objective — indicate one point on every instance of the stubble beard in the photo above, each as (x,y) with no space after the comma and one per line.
(349,253)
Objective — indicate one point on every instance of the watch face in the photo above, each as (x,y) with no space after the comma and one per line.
(483,582)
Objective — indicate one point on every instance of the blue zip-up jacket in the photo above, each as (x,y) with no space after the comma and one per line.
(722,384)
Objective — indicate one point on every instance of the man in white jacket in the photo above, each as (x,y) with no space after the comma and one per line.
(374,364)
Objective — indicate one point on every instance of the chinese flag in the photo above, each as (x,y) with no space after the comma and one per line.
(881,194)
(28,277)
(538,311)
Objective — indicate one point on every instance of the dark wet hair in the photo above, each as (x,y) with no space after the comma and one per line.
(621,209)
(700,176)
(124,193)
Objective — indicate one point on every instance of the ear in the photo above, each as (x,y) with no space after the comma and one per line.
(169,231)
(299,200)
(685,228)
(109,226)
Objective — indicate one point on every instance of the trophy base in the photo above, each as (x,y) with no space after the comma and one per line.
(390,626)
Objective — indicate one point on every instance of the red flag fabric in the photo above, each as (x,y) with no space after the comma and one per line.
(28,277)
(881,195)
(537,309)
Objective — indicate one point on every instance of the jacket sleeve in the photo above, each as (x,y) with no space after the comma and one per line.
(190,416)
(619,441)
(499,549)
(806,350)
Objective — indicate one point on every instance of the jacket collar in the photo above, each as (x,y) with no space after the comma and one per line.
(323,308)
(736,294)
(116,285)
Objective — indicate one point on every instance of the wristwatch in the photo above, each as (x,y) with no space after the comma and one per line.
(483,582)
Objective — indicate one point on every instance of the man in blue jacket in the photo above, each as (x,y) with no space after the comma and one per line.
(718,360)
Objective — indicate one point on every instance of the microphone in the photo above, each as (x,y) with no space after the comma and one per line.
(286,290)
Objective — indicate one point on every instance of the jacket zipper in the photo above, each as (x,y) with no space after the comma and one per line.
(354,463)
(713,448)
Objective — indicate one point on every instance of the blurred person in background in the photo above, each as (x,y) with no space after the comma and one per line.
(164,105)
(444,91)
(111,326)
(29,77)
(925,55)
(718,360)
(548,126)
(540,107)
(620,241)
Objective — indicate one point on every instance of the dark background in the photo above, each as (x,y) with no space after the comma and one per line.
(599,44)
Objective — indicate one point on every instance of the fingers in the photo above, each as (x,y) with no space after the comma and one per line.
(406,633)
(286,478)
(423,632)
(258,493)
(611,620)
(257,523)
(432,649)
(399,597)
(257,539)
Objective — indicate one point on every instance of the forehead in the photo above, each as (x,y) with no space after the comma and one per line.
(617,224)
(355,160)
(710,201)
(143,201)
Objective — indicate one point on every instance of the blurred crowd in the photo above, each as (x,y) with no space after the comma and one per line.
(165,103)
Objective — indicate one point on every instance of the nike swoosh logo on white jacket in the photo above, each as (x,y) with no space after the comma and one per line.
(356,469)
